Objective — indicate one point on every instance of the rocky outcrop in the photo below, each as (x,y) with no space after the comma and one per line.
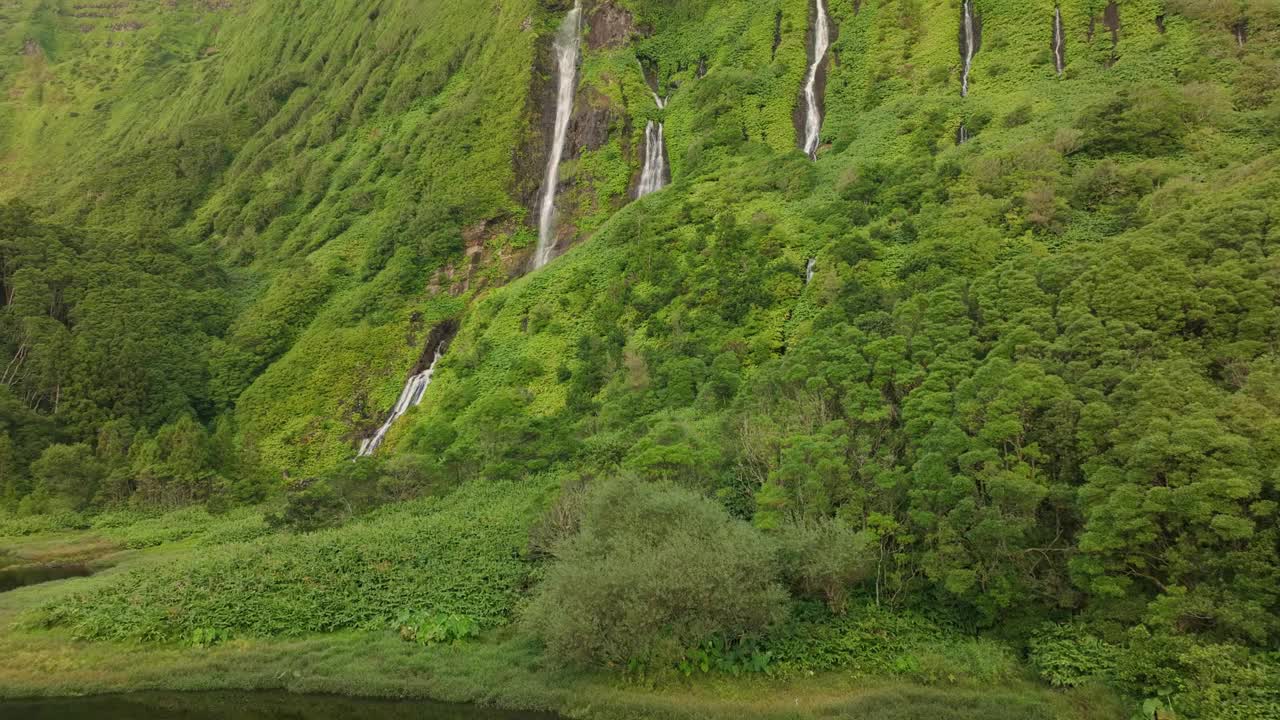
(609,26)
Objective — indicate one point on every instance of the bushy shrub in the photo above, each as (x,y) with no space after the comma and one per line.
(310,505)
(825,558)
(436,628)
(1142,121)
(1070,656)
(656,569)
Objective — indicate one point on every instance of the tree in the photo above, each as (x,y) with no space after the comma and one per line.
(68,474)
(655,570)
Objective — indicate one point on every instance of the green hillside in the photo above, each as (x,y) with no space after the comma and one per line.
(1019,431)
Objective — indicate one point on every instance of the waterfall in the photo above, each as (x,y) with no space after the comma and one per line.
(962,135)
(411,396)
(813,114)
(566,47)
(1059,42)
(808,270)
(969,41)
(654,176)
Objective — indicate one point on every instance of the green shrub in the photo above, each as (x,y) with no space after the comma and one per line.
(825,558)
(1070,656)
(436,628)
(655,570)
(454,555)
(878,641)
(310,505)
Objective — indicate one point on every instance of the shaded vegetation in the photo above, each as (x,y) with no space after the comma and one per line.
(1025,417)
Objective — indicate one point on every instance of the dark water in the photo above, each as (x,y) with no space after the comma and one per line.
(23,575)
(246,706)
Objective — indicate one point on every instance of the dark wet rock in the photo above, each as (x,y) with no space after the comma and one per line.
(591,124)
(1111,21)
(777,33)
(609,26)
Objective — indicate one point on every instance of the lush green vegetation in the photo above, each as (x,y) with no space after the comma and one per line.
(1023,423)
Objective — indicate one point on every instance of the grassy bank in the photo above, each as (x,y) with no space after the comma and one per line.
(501,668)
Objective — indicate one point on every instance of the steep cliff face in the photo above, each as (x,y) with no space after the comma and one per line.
(396,149)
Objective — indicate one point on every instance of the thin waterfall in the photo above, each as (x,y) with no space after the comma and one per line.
(962,135)
(1059,42)
(969,41)
(809,269)
(411,396)
(813,113)
(654,176)
(566,47)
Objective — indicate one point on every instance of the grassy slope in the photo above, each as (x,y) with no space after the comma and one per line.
(409,126)
(501,669)
(894,91)
(340,157)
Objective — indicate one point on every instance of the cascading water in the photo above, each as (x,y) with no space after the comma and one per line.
(654,176)
(813,113)
(566,47)
(962,134)
(969,42)
(411,396)
(1059,42)
(809,270)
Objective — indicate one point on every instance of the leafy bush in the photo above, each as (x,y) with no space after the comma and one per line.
(1070,656)
(22,525)
(437,628)
(456,555)
(310,505)
(825,558)
(655,570)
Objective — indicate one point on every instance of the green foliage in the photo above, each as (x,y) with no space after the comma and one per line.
(826,559)
(718,655)
(208,637)
(1069,656)
(654,570)
(1033,376)
(310,505)
(451,556)
(436,629)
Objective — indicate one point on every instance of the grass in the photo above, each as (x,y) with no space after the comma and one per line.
(503,668)
(499,671)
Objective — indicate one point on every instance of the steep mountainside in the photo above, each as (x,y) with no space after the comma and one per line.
(1015,324)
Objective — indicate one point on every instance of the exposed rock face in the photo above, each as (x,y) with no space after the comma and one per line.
(1111,21)
(609,26)
(530,158)
(777,33)
(593,119)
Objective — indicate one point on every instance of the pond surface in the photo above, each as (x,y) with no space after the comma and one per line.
(23,575)
(246,706)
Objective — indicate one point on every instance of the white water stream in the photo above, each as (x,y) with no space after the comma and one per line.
(566,48)
(813,113)
(654,176)
(409,397)
(970,40)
